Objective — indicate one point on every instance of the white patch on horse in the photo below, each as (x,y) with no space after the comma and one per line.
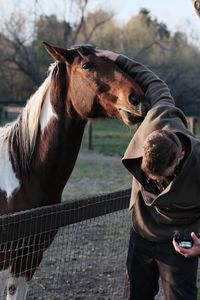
(17,288)
(47,112)
(8,180)
(3,279)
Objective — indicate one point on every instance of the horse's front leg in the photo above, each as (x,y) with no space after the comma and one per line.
(22,270)
(4,274)
(17,288)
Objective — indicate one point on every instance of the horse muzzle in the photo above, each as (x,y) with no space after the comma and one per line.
(140,106)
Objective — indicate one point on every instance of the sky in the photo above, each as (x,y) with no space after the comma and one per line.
(176,14)
(172,12)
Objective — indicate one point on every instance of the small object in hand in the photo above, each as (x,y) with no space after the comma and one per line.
(183,239)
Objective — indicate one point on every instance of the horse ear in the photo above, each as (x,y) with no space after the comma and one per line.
(60,54)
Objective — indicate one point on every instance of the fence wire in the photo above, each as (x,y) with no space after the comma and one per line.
(83,260)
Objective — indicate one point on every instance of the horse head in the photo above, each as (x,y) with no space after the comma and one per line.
(97,87)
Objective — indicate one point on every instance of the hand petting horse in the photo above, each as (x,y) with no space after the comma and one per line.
(38,150)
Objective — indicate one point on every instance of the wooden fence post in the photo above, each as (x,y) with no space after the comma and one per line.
(192,124)
(89,135)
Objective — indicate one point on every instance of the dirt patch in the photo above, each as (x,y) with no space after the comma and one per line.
(91,156)
(95,174)
(86,261)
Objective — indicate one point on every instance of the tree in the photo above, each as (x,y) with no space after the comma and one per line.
(22,50)
(100,29)
(143,35)
(24,61)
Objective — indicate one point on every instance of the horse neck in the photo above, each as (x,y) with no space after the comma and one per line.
(58,143)
(45,141)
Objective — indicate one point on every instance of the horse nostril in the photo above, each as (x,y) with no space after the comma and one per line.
(134,99)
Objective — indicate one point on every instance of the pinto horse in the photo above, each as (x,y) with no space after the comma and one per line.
(38,150)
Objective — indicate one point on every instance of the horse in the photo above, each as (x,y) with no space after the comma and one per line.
(39,149)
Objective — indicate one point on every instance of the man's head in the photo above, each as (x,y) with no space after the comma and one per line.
(162,153)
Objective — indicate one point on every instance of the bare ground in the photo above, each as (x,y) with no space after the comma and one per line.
(90,156)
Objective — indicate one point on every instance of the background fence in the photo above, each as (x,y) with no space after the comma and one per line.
(10,110)
(87,258)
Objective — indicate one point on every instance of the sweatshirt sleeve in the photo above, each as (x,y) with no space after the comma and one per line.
(156,91)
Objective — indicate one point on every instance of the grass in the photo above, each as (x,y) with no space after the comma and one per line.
(110,137)
(5,121)
(93,178)
(198,135)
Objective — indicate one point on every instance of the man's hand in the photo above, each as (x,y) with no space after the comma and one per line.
(108,54)
(194,251)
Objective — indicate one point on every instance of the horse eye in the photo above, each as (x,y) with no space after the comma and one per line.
(88,66)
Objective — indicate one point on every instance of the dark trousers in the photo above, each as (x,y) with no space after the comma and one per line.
(147,261)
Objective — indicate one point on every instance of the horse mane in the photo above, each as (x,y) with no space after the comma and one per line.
(21,134)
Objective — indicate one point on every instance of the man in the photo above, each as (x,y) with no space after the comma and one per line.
(164,158)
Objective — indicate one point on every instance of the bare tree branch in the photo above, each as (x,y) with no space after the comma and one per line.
(82,7)
(96,26)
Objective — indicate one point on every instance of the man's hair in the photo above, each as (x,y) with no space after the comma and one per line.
(161,150)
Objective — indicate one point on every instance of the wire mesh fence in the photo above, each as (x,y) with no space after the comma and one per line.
(83,243)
